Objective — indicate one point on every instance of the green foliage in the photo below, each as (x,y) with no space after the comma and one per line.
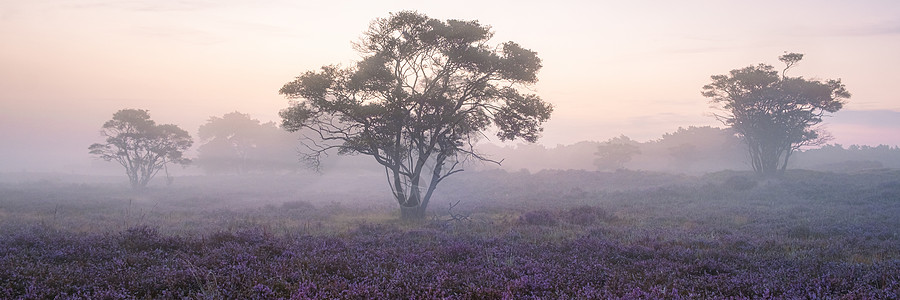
(424,91)
(140,145)
(774,114)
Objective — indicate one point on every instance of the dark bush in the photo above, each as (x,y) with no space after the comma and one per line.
(587,215)
(141,238)
(538,217)
(298,204)
(458,251)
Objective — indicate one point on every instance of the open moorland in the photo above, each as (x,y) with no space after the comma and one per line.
(489,235)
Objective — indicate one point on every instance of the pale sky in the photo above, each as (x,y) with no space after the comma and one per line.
(610,67)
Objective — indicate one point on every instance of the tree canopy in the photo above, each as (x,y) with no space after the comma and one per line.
(140,145)
(775,114)
(423,92)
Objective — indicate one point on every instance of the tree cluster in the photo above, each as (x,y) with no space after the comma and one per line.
(426,90)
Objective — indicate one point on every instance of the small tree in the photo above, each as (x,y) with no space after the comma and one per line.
(423,93)
(140,145)
(615,152)
(774,114)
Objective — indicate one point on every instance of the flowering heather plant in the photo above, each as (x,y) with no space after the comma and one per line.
(396,264)
(810,236)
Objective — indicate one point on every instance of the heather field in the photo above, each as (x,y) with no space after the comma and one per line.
(489,235)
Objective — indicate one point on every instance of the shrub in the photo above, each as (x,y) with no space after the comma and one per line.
(298,204)
(458,251)
(141,238)
(587,215)
(538,217)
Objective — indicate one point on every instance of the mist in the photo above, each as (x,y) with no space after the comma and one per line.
(242,150)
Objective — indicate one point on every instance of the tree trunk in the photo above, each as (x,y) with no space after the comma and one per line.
(784,165)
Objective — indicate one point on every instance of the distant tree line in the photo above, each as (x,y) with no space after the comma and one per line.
(687,150)
(837,158)
(690,150)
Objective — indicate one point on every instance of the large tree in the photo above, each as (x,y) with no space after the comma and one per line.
(424,91)
(140,145)
(774,113)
